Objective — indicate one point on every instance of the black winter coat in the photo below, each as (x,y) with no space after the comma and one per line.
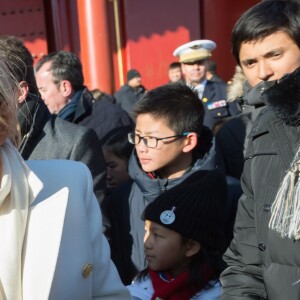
(126,97)
(262,265)
(231,138)
(100,115)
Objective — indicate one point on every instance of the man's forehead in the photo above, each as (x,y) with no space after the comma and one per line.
(270,43)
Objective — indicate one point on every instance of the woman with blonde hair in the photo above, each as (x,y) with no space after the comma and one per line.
(50,222)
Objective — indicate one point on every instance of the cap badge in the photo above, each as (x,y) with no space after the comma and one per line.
(195,47)
(168,217)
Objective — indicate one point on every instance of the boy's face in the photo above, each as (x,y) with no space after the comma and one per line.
(175,74)
(168,157)
(135,82)
(269,58)
(164,249)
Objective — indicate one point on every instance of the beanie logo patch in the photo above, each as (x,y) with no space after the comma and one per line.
(168,216)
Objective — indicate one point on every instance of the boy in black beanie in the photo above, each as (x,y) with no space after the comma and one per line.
(184,241)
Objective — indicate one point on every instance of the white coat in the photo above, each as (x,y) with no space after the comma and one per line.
(65,255)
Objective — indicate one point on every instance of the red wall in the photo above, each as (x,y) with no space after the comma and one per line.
(218,19)
(26,20)
(154,29)
(150,31)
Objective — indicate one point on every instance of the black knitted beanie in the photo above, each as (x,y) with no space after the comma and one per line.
(194,208)
(132,74)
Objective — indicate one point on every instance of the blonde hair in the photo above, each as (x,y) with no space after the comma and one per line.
(9,91)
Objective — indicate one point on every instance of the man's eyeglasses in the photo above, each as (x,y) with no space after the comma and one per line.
(151,141)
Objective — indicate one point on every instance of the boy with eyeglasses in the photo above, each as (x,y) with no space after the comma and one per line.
(170,145)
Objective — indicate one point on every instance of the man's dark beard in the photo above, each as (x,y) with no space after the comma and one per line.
(284,98)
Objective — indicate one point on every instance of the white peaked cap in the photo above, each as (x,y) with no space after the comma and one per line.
(195,50)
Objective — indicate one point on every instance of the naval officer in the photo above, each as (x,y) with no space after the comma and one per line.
(194,57)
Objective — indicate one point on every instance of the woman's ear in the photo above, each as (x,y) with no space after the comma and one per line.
(192,248)
(190,142)
(23,91)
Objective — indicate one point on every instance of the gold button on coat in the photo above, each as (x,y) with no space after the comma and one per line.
(87,270)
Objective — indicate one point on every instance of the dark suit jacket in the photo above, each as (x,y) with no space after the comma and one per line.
(49,137)
(61,139)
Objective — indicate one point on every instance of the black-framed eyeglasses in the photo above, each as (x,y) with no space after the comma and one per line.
(151,141)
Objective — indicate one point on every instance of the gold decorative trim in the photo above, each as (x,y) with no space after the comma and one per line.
(118,41)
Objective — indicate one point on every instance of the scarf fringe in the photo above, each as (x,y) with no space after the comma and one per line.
(285,211)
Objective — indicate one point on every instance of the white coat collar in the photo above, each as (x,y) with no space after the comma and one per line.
(43,236)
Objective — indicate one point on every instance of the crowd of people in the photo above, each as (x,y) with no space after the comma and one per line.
(190,190)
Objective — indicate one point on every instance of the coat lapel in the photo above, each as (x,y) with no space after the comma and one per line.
(209,91)
(42,243)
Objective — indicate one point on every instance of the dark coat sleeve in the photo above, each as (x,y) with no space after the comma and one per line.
(230,140)
(118,233)
(88,150)
(106,117)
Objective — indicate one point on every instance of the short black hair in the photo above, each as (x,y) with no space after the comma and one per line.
(264,19)
(117,142)
(212,66)
(174,65)
(64,66)
(177,104)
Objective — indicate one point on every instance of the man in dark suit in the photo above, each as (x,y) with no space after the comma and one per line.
(60,82)
(194,59)
(44,136)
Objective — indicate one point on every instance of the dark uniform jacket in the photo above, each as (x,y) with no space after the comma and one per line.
(262,265)
(217,110)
